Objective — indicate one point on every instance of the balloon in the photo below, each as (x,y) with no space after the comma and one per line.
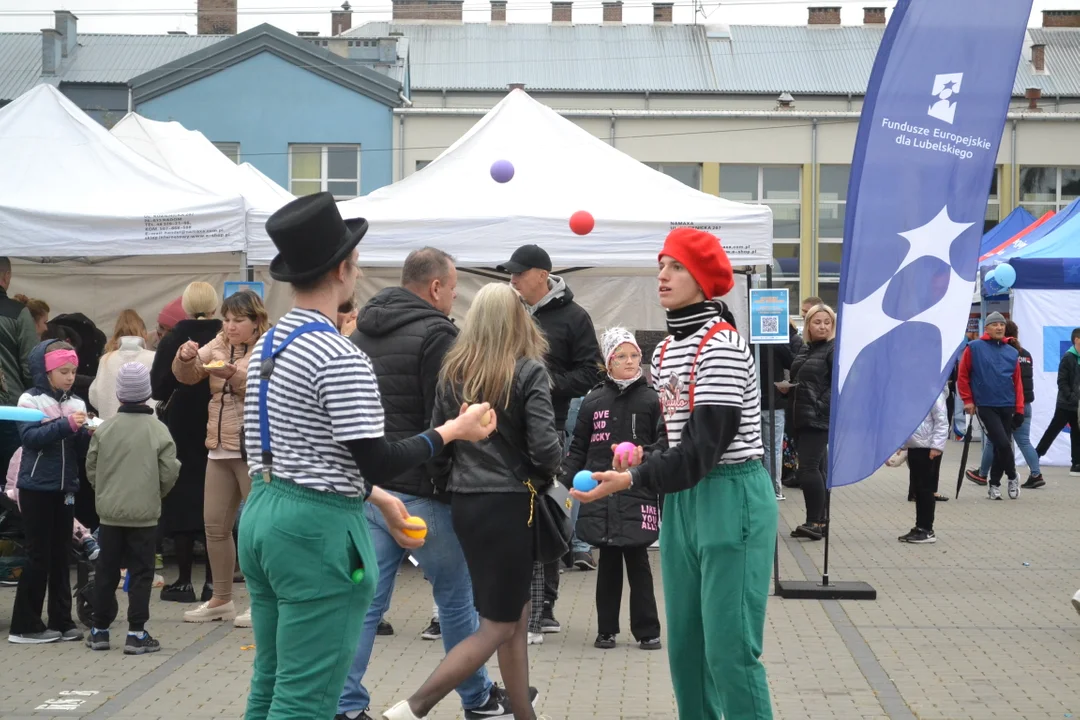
(582,223)
(418,534)
(358,576)
(20,414)
(1005,275)
(583,481)
(502,171)
(625,451)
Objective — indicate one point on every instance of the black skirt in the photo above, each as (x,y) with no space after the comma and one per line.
(494,532)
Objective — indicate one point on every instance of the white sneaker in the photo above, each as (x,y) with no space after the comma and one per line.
(401,711)
(1076,601)
(780,496)
(205,613)
(994,492)
(243,620)
(536,638)
(1014,487)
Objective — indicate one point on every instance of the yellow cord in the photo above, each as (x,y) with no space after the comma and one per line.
(532,500)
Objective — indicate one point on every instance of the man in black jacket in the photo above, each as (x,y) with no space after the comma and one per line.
(406,331)
(575,365)
(18,336)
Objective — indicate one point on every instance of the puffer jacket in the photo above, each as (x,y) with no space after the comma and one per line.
(812,370)
(1068,380)
(528,425)
(53,446)
(608,416)
(226,410)
(933,431)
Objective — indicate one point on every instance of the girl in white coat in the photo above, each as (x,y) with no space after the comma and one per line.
(925,447)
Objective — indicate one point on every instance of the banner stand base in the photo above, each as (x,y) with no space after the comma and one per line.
(815,590)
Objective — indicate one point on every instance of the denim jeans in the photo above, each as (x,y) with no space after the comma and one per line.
(1023,441)
(777,447)
(444,566)
(571,421)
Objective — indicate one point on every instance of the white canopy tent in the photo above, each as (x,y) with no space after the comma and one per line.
(70,189)
(455,204)
(190,156)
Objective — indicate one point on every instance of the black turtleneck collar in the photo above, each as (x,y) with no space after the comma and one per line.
(686,321)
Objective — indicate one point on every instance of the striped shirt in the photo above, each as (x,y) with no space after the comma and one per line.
(725,376)
(323,393)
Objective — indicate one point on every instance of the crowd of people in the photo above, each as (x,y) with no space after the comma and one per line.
(311,457)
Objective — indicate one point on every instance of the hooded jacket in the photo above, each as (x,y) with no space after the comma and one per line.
(51,447)
(1069,380)
(812,371)
(406,339)
(573,357)
(225,413)
(609,416)
(18,336)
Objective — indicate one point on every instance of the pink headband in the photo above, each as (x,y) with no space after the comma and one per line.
(56,358)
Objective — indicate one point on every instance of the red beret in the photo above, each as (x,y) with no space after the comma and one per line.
(702,255)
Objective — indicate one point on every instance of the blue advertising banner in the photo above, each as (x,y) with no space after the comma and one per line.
(232,287)
(769,316)
(924,157)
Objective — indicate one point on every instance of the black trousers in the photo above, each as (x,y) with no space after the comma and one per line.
(1062,417)
(813,462)
(644,620)
(120,547)
(551,582)
(997,422)
(9,443)
(924,474)
(47,525)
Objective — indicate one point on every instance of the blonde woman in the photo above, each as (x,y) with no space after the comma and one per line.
(224,361)
(497,358)
(812,374)
(127,344)
(185,410)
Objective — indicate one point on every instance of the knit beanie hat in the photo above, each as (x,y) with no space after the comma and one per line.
(612,339)
(133,384)
(172,314)
(995,317)
(703,256)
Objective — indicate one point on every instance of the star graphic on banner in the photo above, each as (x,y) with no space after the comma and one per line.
(867,321)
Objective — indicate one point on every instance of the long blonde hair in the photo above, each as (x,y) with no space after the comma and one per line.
(498,331)
(129,324)
(822,308)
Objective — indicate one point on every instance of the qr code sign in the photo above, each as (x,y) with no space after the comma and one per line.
(770,324)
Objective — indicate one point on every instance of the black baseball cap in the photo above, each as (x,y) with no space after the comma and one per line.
(525,258)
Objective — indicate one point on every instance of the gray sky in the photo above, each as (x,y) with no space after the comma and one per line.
(159,16)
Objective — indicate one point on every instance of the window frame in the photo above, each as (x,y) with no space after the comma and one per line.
(221,146)
(324,167)
(659,167)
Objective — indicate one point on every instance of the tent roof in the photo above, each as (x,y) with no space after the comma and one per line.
(190,156)
(1014,223)
(560,169)
(69,188)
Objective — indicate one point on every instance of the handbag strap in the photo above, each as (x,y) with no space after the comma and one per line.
(266,369)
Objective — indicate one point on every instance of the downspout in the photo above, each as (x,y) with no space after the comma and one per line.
(404,100)
(813,208)
(401,147)
(612,132)
(1015,170)
(129,99)
(849,102)
(646,103)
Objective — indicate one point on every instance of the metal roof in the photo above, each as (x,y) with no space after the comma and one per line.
(737,59)
(98,58)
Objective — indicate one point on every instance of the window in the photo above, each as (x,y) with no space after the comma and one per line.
(779,187)
(1047,188)
(421,164)
(686,173)
(993,205)
(832,208)
(330,168)
(230,150)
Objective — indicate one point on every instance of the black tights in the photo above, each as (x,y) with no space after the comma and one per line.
(184,547)
(509,640)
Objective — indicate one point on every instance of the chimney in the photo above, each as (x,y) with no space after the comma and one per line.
(341,20)
(613,11)
(515,86)
(176,32)
(50,51)
(562,11)
(824,16)
(66,26)
(785,101)
(1038,57)
(1033,96)
(216,17)
(498,11)
(1061,18)
(424,11)
(873,16)
(307,34)
(662,12)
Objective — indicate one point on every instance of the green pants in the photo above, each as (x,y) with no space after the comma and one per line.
(298,550)
(716,553)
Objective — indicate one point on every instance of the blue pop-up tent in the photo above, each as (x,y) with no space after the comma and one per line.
(1013,224)
(1052,263)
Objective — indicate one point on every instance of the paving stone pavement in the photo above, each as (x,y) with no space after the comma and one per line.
(977,626)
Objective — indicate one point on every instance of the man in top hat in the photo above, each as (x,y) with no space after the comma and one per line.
(314,432)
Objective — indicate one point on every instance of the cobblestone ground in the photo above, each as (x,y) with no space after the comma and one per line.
(977,626)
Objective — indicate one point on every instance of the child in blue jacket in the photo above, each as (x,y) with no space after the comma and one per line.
(48,480)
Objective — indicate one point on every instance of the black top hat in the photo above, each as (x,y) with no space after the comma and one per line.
(311,238)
